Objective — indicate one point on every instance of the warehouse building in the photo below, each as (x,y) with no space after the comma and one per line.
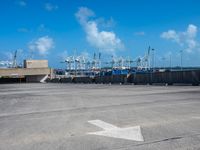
(33,71)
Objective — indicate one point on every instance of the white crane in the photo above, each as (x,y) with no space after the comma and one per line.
(14,65)
(145,61)
(5,64)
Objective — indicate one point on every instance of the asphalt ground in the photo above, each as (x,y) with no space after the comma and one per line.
(55,116)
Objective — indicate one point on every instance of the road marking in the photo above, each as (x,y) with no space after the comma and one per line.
(196,117)
(130,133)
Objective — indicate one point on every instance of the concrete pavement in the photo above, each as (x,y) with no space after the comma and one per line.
(55,116)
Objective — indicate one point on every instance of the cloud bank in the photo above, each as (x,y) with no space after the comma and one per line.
(106,41)
(186,38)
(42,45)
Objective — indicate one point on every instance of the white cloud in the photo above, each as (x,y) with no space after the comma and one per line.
(8,55)
(191,31)
(106,41)
(50,7)
(190,37)
(63,55)
(21,3)
(187,38)
(42,28)
(85,54)
(84,14)
(42,45)
(141,33)
(102,22)
(171,35)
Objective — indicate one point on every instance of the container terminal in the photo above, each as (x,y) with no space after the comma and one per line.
(79,69)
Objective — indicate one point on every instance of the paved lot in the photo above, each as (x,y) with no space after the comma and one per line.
(55,116)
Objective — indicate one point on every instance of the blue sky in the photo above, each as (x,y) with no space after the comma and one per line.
(53,29)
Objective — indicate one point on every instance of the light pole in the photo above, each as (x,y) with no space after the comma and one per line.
(170,61)
(153,61)
(163,58)
(181,54)
(153,65)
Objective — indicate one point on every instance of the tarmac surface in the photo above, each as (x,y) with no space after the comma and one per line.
(58,116)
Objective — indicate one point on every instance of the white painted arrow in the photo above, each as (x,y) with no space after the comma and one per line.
(130,133)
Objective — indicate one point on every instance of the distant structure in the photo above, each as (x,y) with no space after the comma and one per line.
(145,61)
(80,64)
(33,70)
(6,64)
(10,64)
(14,65)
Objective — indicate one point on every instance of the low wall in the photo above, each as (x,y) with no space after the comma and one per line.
(66,80)
(174,77)
(139,78)
(103,79)
(182,77)
(25,71)
(82,80)
(34,78)
(114,79)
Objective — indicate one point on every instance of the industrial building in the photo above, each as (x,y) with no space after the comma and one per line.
(32,71)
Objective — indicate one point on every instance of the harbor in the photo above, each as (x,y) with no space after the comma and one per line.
(78,69)
(99,75)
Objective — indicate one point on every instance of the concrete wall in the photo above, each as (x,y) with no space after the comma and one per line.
(25,71)
(34,78)
(35,63)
